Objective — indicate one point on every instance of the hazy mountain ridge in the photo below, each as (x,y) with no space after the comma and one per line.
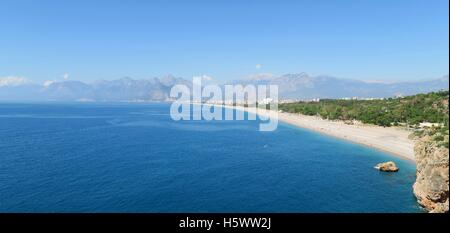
(303,86)
(291,86)
(124,89)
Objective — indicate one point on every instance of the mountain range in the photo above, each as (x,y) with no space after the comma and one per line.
(291,86)
(303,86)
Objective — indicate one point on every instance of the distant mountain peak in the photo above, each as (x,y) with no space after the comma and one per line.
(261,77)
(297,75)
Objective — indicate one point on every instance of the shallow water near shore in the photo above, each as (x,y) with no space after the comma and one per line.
(135,158)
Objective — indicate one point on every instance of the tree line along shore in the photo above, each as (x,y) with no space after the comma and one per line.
(425,114)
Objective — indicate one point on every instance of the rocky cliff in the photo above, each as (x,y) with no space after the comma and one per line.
(432,187)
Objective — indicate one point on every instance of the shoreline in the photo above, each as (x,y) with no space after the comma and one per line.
(392,140)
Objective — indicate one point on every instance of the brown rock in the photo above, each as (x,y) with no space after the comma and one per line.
(387,167)
(432,184)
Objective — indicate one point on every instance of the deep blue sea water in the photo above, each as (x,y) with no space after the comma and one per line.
(134,158)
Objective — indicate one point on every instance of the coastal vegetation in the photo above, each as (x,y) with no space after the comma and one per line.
(419,112)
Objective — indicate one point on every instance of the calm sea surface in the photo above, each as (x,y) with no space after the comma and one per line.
(134,158)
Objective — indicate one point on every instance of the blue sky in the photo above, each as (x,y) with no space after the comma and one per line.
(90,40)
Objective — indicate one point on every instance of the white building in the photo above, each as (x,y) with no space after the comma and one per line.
(429,125)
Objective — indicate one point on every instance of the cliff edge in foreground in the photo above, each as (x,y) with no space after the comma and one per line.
(432,186)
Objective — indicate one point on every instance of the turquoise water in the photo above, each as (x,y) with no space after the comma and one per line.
(134,158)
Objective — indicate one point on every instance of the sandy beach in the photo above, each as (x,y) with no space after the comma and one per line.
(393,140)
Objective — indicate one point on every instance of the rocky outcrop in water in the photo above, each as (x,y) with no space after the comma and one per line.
(387,167)
(432,187)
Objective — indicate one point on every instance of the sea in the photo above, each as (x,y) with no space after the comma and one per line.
(132,157)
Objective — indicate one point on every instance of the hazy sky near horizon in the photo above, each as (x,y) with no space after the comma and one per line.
(386,40)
